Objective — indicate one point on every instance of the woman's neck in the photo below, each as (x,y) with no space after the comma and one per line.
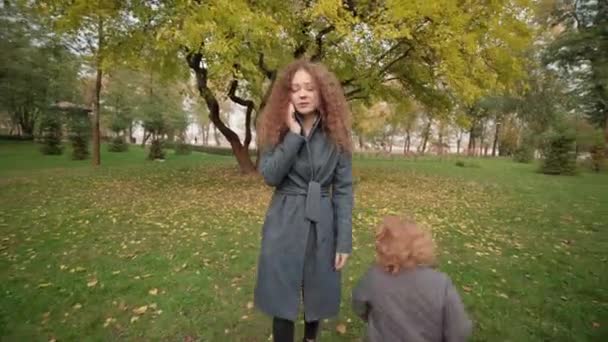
(308,121)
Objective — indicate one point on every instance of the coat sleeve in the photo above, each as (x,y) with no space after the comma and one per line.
(276,163)
(361,299)
(342,197)
(457,326)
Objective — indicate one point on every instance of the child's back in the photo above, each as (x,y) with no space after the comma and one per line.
(401,297)
(418,304)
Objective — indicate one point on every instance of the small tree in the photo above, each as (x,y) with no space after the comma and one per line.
(155,124)
(50,127)
(559,152)
(118,143)
(79,128)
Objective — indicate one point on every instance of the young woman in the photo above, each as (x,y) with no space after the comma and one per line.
(307,235)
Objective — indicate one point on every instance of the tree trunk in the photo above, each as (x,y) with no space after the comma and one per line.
(241,154)
(606,126)
(471,147)
(216,136)
(145,138)
(361,143)
(96,139)
(131,140)
(26,122)
(495,143)
(458,141)
(427,132)
(440,142)
(482,137)
(406,144)
(204,133)
(390,143)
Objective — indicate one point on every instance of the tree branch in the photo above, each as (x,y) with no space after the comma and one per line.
(399,58)
(269,73)
(249,104)
(319,40)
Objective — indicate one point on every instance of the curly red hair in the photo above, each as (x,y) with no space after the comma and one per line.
(333,108)
(401,244)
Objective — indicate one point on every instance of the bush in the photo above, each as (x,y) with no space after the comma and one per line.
(559,153)
(156,150)
(598,157)
(79,128)
(182,148)
(118,144)
(50,126)
(80,147)
(524,154)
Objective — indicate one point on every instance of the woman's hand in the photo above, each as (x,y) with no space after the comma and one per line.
(340,260)
(292,123)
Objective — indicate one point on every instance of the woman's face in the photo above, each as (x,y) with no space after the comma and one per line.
(304,93)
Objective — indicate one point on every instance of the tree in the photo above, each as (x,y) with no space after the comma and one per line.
(100,30)
(35,71)
(580,52)
(430,48)
(559,157)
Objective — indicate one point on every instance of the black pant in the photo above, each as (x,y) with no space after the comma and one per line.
(283,330)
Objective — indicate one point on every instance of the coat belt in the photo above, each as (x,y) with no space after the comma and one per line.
(313,194)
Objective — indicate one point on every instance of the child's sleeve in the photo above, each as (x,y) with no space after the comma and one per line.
(457,326)
(361,297)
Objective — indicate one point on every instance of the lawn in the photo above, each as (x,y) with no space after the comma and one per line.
(139,250)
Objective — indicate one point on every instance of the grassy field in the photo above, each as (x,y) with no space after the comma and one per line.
(140,251)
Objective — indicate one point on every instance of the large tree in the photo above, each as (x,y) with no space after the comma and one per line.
(104,31)
(431,48)
(35,71)
(581,28)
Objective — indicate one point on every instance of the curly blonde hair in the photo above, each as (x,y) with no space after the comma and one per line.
(333,108)
(401,244)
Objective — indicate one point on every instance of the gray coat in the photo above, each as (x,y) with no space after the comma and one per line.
(309,220)
(419,305)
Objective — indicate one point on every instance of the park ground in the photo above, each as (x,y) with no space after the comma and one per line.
(143,251)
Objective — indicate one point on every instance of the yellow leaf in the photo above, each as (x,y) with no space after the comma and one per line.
(44,285)
(77,306)
(92,282)
(140,310)
(341,328)
(153,291)
(134,318)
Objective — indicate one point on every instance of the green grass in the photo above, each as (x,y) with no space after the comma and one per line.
(527,251)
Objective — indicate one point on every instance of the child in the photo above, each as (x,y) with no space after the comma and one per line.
(401,297)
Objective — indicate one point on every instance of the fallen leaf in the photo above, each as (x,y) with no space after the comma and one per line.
(341,328)
(77,306)
(140,310)
(134,319)
(44,285)
(250,305)
(596,325)
(92,282)
(109,321)
(467,289)
(122,306)
(153,291)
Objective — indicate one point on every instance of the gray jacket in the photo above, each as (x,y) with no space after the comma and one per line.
(308,221)
(419,305)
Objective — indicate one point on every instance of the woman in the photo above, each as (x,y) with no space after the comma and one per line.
(307,233)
